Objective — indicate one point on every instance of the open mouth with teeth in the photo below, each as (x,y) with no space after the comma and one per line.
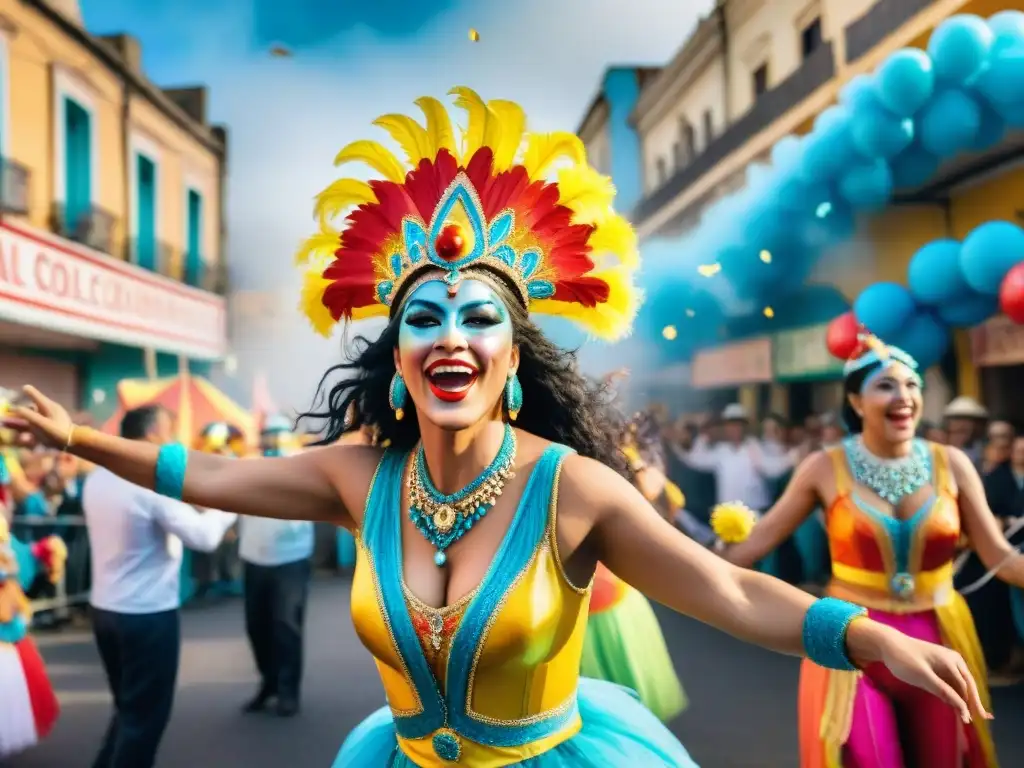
(901,417)
(450,380)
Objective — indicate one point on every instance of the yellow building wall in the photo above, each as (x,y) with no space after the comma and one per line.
(34,46)
(881,249)
(183,163)
(39,56)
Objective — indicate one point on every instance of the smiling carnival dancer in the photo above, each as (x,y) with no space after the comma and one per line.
(477,539)
(896,506)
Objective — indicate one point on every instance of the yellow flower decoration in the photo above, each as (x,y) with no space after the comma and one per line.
(733,522)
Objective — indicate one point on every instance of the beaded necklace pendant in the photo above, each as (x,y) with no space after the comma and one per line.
(443,519)
(891,479)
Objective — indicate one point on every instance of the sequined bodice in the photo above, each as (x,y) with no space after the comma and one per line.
(495,673)
(884,562)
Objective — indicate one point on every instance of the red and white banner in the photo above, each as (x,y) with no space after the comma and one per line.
(52,283)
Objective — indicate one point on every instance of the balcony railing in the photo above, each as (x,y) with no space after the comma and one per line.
(14,180)
(215,278)
(93,228)
(878,23)
(816,70)
(157,256)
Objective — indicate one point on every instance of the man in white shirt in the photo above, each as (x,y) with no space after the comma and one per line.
(276,565)
(734,462)
(136,538)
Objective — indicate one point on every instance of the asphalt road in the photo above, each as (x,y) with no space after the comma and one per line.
(742,711)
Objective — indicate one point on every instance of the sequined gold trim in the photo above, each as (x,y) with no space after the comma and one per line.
(552,536)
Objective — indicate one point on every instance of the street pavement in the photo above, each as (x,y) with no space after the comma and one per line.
(742,711)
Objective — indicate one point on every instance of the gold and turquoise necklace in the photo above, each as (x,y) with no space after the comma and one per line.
(443,519)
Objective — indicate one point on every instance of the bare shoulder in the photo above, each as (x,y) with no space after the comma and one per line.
(816,464)
(587,483)
(960,463)
(350,469)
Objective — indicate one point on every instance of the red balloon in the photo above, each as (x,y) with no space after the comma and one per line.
(841,337)
(1011,294)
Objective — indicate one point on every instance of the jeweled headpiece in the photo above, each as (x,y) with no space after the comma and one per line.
(494,203)
(870,350)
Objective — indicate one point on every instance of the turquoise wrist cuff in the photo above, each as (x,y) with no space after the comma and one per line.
(171,463)
(824,634)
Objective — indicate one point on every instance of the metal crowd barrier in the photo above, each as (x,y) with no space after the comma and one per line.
(77,568)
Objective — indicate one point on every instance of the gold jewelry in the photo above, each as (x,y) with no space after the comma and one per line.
(71,438)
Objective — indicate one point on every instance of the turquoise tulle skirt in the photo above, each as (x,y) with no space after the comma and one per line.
(618,732)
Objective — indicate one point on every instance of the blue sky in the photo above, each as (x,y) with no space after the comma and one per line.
(353,61)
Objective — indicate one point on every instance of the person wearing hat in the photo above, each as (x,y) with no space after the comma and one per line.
(276,561)
(964,419)
(732,461)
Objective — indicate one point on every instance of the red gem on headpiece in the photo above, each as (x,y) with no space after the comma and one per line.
(450,243)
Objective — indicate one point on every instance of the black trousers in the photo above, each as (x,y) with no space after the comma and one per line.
(140,654)
(275,613)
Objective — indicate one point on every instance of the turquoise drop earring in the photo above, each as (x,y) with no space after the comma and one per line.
(513,396)
(397,395)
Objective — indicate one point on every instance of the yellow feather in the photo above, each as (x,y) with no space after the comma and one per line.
(340,196)
(439,125)
(586,192)
(477,119)
(544,149)
(374,310)
(609,321)
(410,136)
(511,120)
(375,155)
(312,302)
(318,248)
(614,235)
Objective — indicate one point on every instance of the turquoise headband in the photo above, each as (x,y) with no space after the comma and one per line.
(888,355)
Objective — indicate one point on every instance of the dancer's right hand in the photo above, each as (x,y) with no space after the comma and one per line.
(40,421)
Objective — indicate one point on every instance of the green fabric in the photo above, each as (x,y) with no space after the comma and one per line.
(625,645)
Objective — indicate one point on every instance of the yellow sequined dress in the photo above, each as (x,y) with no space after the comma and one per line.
(492,680)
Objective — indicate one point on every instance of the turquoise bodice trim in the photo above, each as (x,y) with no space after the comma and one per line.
(381,535)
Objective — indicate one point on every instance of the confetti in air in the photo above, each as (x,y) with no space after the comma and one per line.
(280,52)
(474,36)
(669,332)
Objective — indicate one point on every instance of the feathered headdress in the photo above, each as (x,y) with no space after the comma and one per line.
(493,201)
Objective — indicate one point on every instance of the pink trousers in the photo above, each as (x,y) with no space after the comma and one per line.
(898,726)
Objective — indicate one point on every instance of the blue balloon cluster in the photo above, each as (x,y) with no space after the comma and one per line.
(951,285)
(890,130)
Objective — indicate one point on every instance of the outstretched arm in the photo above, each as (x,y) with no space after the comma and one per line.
(640,547)
(301,487)
(983,528)
(798,501)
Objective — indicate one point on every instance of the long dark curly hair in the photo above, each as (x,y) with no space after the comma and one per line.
(559,403)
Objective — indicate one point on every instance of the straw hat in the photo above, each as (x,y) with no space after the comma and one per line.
(735,412)
(965,408)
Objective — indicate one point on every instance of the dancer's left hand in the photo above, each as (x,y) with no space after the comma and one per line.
(936,669)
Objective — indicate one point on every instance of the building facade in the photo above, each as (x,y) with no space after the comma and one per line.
(754,72)
(111,198)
